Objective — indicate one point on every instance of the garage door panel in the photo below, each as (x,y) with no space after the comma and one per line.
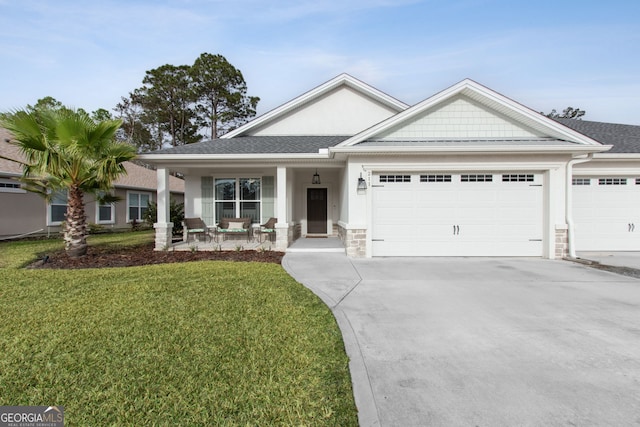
(458,218)
(607,217)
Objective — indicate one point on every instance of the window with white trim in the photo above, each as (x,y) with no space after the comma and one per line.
(105,213)
(137,205)
(10,186)
(238,198)
(57,208)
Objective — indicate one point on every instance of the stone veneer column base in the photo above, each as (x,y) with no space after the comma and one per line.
(164,236)
(282,238)
(562,243)
(355,241)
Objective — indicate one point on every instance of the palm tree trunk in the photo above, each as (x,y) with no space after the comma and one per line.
(75,231)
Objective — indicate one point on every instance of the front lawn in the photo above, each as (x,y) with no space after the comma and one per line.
(197,343)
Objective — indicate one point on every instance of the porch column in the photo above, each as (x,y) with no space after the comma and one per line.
(163,226)
(282,226)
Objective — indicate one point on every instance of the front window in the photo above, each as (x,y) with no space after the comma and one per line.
(137,205)
(10,186)
(105,213)
(58,207)
(238,198)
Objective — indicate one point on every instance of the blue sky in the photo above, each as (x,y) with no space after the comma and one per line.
(544,54)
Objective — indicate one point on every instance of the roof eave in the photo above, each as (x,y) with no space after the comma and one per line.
(480,149)
(163,158)
(617,156)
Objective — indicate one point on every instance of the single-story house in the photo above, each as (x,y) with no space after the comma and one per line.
(24,213)
(466,172)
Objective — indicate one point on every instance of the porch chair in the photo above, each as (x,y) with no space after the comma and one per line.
(233,226)
(195,227)
(268,229)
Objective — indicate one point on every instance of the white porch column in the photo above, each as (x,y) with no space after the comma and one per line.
(163,225)
(282,226)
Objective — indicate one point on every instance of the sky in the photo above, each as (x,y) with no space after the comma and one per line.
(544,54)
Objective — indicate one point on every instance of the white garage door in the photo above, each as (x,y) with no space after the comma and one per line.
(457,214)
(606,213)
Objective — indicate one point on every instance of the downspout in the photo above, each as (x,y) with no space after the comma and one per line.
(569,203)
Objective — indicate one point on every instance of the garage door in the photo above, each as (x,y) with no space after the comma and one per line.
(457,214)
(606,213)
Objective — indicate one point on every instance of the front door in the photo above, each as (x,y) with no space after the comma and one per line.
(317,210)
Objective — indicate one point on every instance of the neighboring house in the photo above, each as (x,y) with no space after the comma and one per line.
(466,172)
(22,212)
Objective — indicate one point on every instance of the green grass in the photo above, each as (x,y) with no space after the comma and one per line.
(198,343)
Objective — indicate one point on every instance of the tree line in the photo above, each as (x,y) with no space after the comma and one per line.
(178,105)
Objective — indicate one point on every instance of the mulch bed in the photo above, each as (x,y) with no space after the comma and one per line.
(99,257)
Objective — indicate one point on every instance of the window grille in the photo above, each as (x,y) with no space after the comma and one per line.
(395,178)
(581,181)
(517,178)
(476,178)
(435,178)
(612,181)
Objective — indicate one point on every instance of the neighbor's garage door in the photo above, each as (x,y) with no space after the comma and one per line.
(606,213)
(457,214)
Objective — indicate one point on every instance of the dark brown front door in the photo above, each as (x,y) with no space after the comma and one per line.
(317,210)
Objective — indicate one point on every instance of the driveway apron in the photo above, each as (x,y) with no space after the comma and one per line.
(483,341)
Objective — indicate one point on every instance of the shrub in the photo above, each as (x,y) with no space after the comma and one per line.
(176,215)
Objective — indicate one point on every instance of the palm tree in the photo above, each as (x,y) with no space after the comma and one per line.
(66,150)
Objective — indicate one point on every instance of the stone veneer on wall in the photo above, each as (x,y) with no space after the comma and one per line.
(355,241)
(562,245)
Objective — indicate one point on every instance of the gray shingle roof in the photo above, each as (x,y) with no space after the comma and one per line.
(258,145)
(624,138)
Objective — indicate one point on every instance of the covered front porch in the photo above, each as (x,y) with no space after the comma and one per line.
(306,199)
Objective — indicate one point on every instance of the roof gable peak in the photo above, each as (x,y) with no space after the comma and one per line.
(481,94)
(343,79)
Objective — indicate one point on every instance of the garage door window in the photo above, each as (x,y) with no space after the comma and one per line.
(612,181)
(476,178)
(395,178)
(581,181)
(435,178)
(517,178)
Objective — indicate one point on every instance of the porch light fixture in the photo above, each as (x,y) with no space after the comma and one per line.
(316,178)
(362,184)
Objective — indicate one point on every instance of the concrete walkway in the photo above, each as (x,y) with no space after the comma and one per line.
(483,341)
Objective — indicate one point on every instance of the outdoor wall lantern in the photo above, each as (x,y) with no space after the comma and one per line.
(316,178)
(362,184)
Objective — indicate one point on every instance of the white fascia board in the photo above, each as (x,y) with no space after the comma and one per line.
(165,158)
(556,129)
(453,166)
(617,156)
(479,149)
(315,93)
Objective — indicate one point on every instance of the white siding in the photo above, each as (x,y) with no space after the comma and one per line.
(342,111)
(460,117)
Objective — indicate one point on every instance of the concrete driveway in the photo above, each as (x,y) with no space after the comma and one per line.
(483,341)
